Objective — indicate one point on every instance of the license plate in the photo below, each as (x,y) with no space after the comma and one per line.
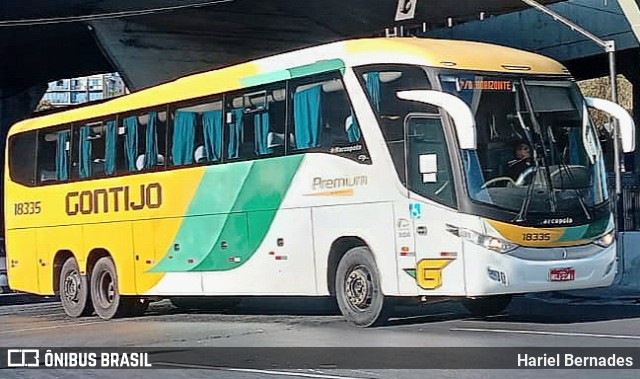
(562,274)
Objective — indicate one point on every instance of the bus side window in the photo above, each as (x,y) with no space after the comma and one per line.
(22,155)
(196,135)
(322,116)
(381,83)
(255,123)
(94,149)
(53,155)
(144,140)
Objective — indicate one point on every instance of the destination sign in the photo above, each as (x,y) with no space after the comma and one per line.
(487,85)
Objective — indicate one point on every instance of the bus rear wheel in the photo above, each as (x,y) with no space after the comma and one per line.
(358,291)
(105,296)
(74,290)
(487,306)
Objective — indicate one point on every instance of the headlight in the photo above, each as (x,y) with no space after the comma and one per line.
(492,243)
(607,239)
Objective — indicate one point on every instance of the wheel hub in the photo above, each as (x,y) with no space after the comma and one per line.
(72,286)
(107,289)
(359,288)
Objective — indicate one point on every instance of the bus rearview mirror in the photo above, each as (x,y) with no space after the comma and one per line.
(457,109)
(625,121)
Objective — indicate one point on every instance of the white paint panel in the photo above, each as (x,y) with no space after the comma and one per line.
(371,222)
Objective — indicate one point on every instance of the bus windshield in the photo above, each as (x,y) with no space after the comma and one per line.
(537,152)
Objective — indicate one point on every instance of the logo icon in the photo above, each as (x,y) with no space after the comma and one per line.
(23,358)
(415,210)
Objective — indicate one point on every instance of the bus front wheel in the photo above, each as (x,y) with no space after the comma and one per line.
(105,296)
(74,290)
(358,291)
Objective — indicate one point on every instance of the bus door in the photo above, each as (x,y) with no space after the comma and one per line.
(438,252)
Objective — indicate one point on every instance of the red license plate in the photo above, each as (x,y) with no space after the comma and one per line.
(562,274)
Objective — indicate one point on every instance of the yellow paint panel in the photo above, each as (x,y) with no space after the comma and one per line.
(429,273)
(23,268)
(52,240)
(111,230)
(544,237)
(465,54)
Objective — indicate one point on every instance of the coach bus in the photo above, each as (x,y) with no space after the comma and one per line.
(370,170)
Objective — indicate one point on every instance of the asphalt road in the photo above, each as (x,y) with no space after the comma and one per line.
(532,321)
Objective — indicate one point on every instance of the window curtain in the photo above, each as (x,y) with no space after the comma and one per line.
(261,123)
(183,138)
(110,148)
(151,141)
(62,166)
(235,134)
(372,80)
(352,128)
(212,123)
(84,152)
(131,141)
(307,117)
(574,152)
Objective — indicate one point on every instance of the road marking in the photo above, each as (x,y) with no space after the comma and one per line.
(537,332)
(256,371)
(54,327)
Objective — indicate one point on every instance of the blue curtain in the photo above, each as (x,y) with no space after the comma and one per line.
(352,128)
(151,141)
(183,138)
(212,123)
(261,123)
(307,117)
(84,152)
(131,141)
(373,88)
(473,174)
(62,167)
(110,148)
(574,136)
(235,134)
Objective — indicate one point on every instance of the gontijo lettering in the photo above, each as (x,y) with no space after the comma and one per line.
(114,199)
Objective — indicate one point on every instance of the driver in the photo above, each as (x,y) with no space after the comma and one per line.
(522,161)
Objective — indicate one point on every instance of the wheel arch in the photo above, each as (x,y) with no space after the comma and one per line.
(60,257)
(338,249)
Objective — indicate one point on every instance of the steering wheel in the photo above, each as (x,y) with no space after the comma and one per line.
(497,180)
(524,175)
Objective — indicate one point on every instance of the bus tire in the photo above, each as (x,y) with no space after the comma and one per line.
(487,306)
(358,291)
(105,296)
(74,290)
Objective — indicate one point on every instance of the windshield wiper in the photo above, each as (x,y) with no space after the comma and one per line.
(544,157)
(527,200)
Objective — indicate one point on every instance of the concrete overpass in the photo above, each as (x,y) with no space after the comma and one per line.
(150,41)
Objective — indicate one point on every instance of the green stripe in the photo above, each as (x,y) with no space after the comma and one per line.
(230,215)
(583,232)
(294,72)
(317,67)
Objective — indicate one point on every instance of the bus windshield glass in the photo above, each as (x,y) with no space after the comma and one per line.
(537,151)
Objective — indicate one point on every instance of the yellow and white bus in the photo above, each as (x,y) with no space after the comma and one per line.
(368,170)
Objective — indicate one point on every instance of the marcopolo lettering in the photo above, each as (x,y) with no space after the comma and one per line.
(114,199)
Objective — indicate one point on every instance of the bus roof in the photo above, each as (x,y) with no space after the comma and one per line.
(462,55)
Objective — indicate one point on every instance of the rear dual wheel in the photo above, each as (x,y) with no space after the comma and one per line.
(106,298)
